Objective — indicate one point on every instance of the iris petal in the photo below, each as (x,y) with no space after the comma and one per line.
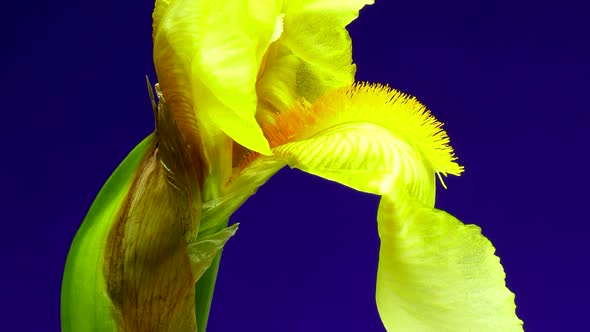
(368,137)
(363,156)
(315,32)
(437,274)
(207,62)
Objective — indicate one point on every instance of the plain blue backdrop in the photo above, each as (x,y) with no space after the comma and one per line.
(510,80)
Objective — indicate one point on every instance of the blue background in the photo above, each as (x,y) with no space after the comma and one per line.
(509,78)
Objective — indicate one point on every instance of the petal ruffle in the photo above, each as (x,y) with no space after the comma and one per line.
(312,55)
(437,274)
(315,31)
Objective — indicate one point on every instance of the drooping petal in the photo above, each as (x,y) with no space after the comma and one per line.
(437,274)
(368,137)
(363,156)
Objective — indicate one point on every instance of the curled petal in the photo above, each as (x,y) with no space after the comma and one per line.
(368,137)
(363,156)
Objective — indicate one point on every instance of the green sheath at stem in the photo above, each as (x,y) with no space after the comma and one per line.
(204,294)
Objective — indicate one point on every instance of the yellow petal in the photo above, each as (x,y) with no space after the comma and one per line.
(437,274)
(175,30)
(315,32)
(207,56)
(368,137)
(276,86)
(363,156)
(310,54)
(242,128)
(160,10)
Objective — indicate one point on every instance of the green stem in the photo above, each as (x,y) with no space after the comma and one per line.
(204,294)
(213,182)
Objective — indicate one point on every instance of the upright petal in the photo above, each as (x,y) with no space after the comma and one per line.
(175,29)
(437,274)
(311,55)
(277,81)
(315,32)
(207,56)
(225,66)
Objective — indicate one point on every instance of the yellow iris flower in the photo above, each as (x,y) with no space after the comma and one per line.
(246,88)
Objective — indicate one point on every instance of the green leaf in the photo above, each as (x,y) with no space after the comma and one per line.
(85,305)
